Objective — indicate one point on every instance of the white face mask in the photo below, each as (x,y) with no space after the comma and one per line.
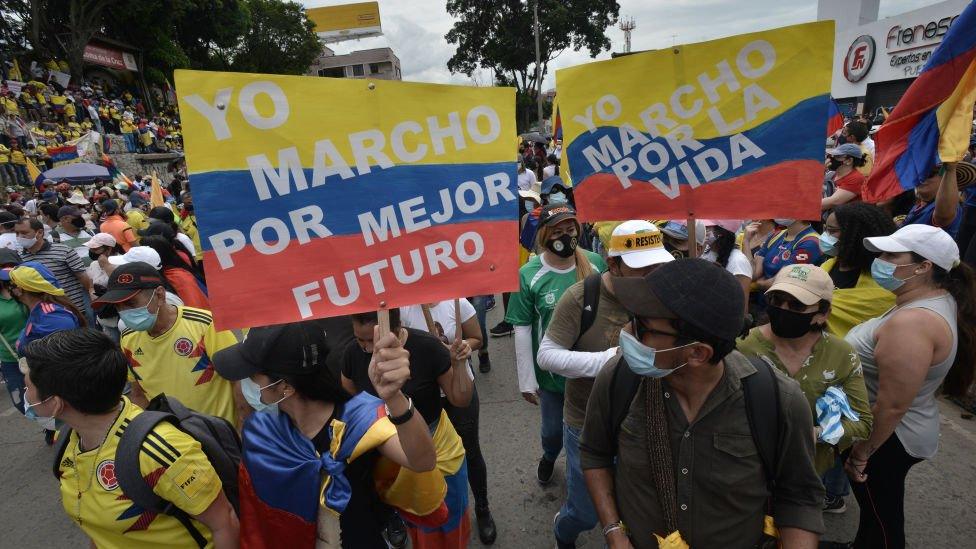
(26,242)
(46,423)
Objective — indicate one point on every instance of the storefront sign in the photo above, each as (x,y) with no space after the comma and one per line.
(107,57)
(860,57)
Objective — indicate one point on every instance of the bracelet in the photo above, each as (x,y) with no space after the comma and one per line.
(401,419)
(614,526)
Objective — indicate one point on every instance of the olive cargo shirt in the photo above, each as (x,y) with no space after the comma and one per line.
(720,487)
(563,330)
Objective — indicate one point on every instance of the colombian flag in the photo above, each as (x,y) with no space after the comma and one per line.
(934,118)
(835,120)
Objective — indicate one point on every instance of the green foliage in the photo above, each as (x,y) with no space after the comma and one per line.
(281,40)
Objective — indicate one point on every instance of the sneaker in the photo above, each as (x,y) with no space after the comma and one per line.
(834,505)
(560,544)
(486,524)
(489,303)
(502,329)
(544,472)
(484,363)
(395,532)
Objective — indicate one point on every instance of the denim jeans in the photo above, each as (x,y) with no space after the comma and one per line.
(15,383)
(551,406)
(577,515)
(481,313)
(835,480)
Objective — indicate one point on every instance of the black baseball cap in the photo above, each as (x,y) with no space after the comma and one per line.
(7,218)
(695,291)
(162,213)
(128,280)
(9,257)
(160,228)
(294,349)
(554,213)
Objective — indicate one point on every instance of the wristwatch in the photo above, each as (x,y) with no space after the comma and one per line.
(400,420)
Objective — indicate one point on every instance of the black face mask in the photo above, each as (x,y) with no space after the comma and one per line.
(564,246)
(78,222)
(188,207)
(834,164)
(790,324)
(93,255)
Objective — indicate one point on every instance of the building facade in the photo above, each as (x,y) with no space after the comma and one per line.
(876,60)
(380,63)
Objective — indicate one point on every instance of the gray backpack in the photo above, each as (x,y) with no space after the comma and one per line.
(217,437)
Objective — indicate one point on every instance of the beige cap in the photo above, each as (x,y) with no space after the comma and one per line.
(809,284)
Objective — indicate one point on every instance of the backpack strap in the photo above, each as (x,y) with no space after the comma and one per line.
(591,304)
(129,474)
(623,388)
(761,392)
(64,435)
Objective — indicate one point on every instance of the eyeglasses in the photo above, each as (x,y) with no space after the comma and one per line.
(640,331)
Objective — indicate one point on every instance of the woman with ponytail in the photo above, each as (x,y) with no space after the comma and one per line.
(542,282)
(925,342)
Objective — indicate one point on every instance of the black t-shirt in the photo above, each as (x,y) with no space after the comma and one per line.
(365,515)
(844,280)
(429,359)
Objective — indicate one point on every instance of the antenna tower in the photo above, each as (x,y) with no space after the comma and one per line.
(627,25)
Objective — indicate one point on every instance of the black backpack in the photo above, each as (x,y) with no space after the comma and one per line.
(216,435)
(761,392)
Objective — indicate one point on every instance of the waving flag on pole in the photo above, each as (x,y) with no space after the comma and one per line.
(835,120)
(934,118)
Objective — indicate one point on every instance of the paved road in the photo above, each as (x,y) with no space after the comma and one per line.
(940,503)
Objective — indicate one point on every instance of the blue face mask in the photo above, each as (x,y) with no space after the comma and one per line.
(557,198)
(640,357)
(828,244)
(883,272)
(252,394)
(48,423)
(139,319)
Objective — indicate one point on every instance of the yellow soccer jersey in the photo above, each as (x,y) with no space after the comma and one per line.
(171,461)
(178,363)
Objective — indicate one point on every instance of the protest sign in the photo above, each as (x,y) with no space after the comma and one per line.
(317,197)
(732,128)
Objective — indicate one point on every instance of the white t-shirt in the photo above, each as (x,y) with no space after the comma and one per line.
(549,171)
(526,180)
(412,316)
(739,264)
(9,240)
(869,145)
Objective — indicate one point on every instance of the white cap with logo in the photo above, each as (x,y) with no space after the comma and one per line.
(930,242)
(638,244)
(137,254)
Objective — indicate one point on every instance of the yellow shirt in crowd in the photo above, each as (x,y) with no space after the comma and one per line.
(179,363)
(17,157)
(137,219)
(171,461)
(69,109)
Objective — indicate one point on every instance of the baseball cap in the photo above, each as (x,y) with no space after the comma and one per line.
(523,193)
(35,277)
(9,257)
(550,182)
(162,213)
(554,213)
(809,284)
(638,244)
(68,210)
(930,242)
(49,195)
(137,199)
(679,230)
(128,280)
(731,225)
(695,291)
(100,240)
(847,149)
(7,218)
(158,227)
(298,348)
(110,205)
(138,254)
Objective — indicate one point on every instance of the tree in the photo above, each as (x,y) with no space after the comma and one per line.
(281,40)
(498,35)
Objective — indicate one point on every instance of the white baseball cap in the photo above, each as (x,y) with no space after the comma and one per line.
(930,242)
(136,254)
(101,239)
(638,244)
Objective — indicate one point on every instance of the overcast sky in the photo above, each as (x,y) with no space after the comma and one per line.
(415,29)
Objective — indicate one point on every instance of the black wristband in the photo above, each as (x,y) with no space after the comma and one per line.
(401,419)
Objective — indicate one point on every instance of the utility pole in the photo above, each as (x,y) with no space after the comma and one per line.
(538,68)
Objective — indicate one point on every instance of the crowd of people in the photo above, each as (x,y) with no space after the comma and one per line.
(723,386)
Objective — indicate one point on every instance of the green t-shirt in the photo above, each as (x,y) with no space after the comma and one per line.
(832,364)
(540,287)
(13,318)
